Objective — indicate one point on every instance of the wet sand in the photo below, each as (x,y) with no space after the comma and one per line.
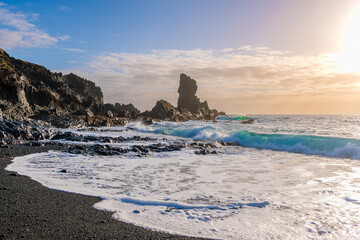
(30,211)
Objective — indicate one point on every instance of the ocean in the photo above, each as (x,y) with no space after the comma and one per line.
(287,177)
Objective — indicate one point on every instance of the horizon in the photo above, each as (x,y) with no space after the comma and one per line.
(248,57)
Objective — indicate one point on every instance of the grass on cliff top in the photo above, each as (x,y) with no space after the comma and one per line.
(4,65)
(2,52)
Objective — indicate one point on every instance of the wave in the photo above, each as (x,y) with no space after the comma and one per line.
(305,144)
(236,118)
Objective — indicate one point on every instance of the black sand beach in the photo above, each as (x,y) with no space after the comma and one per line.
(30,211)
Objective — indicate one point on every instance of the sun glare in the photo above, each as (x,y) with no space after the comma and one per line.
(349,59)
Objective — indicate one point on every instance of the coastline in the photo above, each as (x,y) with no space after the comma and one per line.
(29,210)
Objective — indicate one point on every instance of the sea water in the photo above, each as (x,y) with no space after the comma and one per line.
(289,177)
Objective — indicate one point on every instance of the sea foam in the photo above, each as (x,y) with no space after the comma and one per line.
(306,144)
(244,192)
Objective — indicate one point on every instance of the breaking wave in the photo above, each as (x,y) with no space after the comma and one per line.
(305,144)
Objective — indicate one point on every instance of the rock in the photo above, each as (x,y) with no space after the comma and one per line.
(28,89)
(126,110)
(24,130)
(187,90)
(189,105)
(147,121)
(109,114)
(140,150)
(248,121)
(165,111)
(120,110)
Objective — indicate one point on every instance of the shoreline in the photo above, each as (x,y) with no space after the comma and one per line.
(31,211)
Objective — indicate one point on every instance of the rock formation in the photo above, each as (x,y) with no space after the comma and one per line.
(187,90)
(188,100)
(189,105)
(120,110)
(164,110)
(29,90)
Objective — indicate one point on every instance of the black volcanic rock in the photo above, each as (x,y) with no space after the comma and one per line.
(23,130)
(189,105)
(165,111)
(28,89)
(120,110)
(189,101)
(187,90)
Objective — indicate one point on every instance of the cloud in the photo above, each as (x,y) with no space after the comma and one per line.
(74,50)
(17,31)
(64,8)
(236,80)
(63,37)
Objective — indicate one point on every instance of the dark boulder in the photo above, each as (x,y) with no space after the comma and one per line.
(165,111)
(120,110)
(24,130)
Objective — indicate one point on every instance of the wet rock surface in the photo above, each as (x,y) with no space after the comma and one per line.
(70,136)
(24,130)
(138,150)
(31,132)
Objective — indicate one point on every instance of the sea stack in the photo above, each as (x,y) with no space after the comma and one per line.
(189,105)
(187,90)
(190,102)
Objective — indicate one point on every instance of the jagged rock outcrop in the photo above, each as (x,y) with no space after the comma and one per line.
(23,130)
(188,100)
(187,90)
(189,105)
(28,89)
(120,110)
(164,110)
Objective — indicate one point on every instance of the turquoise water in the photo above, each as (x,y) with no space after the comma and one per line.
(332,136)
(287,177)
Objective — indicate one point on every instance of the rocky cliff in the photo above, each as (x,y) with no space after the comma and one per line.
(27,89)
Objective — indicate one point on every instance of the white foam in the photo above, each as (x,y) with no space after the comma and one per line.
(240,194)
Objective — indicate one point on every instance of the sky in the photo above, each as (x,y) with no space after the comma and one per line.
(247,56)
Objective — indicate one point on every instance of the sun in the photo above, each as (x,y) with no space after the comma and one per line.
(349,59)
